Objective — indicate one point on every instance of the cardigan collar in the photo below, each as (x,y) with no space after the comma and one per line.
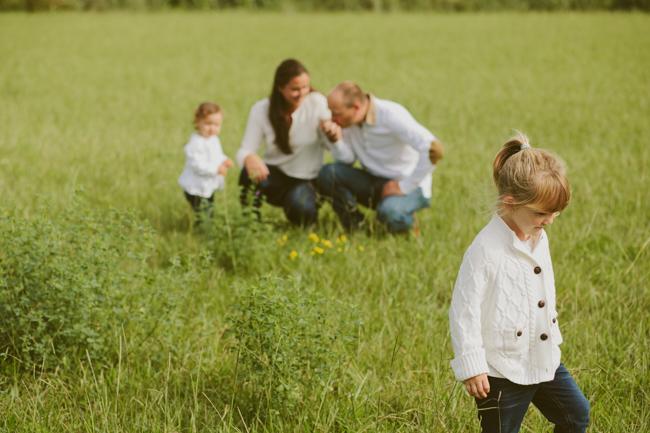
(499,227)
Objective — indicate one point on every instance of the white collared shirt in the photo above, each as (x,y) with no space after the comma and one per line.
(390,143)
(203,156)
(305,137)
(502,317)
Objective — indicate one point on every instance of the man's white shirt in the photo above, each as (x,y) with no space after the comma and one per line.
(390,143)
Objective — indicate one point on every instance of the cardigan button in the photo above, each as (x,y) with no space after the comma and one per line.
(541,304)
(543,337)
(537,270)
(554,320)
(519,333)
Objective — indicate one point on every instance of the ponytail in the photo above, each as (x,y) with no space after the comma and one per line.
(513,146)
(530,175)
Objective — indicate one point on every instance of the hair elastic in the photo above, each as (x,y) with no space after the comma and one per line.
(524,146)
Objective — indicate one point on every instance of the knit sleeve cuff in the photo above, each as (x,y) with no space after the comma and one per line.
(469,365)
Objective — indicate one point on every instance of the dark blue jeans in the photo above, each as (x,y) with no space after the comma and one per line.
(201,206)
(199,203)
(346,186)
(297,197)
(559,400)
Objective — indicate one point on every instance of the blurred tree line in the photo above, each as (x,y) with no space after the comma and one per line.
(330,5)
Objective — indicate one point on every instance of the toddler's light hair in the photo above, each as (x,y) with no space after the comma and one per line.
(204,110)
(530,176)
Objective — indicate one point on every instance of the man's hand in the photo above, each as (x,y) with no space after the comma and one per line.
(478,386)
(331,130)
(256,168)
(223,168)
(391,188)
(436,151)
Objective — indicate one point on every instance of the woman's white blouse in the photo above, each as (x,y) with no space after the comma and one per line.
(203,156)
(502,318)
(305,137)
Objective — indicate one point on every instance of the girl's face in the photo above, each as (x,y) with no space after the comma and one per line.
(295,90)
(527,221)
(210,125)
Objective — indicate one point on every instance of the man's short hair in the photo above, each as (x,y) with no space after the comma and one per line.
(350,92)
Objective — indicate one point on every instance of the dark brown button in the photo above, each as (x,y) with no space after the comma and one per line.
(541,304)
(543,337)
(519,333)
(554,320)
(537,270)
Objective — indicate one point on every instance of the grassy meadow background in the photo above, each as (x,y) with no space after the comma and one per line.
(94,112)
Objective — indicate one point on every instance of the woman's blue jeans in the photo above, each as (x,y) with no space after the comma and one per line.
(559,400)
(297,197)
(347,186)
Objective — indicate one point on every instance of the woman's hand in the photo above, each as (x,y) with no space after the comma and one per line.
(256,168)
(223,168)
(478,386)
(331,130)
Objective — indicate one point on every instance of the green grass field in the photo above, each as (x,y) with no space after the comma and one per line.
(98,106)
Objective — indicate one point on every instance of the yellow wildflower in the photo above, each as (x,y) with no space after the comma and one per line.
(360,248)
(341,239)
(283,240)
(293,255)
(318,250)
(313,237)
(326,243)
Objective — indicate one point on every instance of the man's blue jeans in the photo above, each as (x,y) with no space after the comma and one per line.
(559,400)
(347,186)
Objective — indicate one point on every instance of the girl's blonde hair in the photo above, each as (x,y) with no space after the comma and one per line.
(204,110)
(530,176)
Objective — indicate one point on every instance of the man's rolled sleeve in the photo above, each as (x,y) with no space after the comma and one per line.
(410,132)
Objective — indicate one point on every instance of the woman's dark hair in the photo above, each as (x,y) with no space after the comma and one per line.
(278,108)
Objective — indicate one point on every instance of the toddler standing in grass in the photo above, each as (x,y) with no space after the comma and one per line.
(205,163)
(504,326)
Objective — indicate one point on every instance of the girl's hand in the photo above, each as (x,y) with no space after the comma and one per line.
(223,168)
(478,386)
(256,168)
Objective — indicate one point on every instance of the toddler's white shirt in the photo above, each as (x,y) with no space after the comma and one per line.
(203,156)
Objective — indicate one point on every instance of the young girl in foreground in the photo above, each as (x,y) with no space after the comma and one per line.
(205,163)
(504,325)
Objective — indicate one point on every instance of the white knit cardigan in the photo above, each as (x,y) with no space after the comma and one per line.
(502,315)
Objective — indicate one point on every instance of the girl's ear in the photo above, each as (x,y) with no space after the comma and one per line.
(508,200)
